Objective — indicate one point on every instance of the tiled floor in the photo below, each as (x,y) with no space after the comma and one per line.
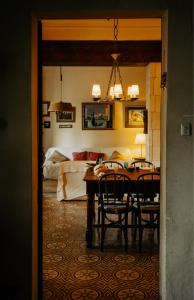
(72,271)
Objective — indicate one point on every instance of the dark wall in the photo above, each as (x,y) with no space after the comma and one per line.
(15,134)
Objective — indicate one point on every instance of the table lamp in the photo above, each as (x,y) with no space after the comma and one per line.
(140,139)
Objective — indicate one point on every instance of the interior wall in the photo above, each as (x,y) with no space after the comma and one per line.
(153,103)
(76,88)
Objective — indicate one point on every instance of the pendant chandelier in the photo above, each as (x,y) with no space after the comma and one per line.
(60,106)
(115,90)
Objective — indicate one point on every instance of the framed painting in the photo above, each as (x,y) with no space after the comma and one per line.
(136,117)
(66,116)
(45,106)
(97,116)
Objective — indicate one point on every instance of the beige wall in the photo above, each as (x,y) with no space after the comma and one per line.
(76,88)
(153,101)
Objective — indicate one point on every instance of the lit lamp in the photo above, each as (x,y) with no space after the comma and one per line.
(140,139)
(133,92)
(115,90)
(96,92)
(60,106)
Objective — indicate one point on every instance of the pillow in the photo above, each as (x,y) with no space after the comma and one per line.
(116,155)
(94,155)
(79,155)
(56,156)
(119,156)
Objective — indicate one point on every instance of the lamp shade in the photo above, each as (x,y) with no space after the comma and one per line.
(60,106)
(96,91)
(118,91)
(133,91)
(140,139)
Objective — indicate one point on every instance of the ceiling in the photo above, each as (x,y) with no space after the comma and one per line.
(91,42)
(101,29)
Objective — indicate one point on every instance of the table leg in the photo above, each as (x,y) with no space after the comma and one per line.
(90,217)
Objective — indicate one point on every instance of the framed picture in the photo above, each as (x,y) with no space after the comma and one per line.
(47,124)
(97,116)
(45,106)
(136,117)
(66,116)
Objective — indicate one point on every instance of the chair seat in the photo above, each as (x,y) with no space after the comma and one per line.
(116,209)
(150,209)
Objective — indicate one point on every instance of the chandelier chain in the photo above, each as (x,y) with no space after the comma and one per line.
(116,21)
(61,79)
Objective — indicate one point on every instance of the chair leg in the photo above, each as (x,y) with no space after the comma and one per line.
(102,233)
(158,229)
(134,223)
(140,234)
(98,215)
(126,232)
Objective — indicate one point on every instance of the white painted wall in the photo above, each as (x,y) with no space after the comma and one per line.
(76,88)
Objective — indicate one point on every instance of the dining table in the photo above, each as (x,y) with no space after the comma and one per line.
(92,188)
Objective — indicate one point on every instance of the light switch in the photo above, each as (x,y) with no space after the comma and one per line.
(185,129)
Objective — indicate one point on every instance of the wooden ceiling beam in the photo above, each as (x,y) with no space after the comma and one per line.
(98,53)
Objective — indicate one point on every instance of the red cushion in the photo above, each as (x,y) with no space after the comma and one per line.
(79,155)
(94,155)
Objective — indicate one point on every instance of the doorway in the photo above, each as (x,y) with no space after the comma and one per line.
(151,154)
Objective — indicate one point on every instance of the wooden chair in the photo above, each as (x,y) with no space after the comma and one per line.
(140,164)
(147,206)
(115,205)
(113,164)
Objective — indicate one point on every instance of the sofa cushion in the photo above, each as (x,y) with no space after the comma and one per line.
(57,156)
(79,155)
(123,151)
(115,155)
(94,155)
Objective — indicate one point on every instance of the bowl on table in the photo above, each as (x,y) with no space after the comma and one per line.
(130,169)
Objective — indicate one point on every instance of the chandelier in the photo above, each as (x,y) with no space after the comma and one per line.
(115,90)
(60,106)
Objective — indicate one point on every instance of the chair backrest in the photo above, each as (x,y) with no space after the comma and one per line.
(113,164)
(114,188)
(140,163)
(148,186)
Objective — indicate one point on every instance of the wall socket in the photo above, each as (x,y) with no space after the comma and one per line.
(185,129)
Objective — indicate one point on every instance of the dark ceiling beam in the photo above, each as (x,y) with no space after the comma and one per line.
(98,53)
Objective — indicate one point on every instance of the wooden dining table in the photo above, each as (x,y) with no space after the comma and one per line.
(92,188)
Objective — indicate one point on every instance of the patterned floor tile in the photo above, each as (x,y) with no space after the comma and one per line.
(72,271)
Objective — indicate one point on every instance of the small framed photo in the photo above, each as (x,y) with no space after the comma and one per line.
(47,124)
(66,116)
(97,116)
(45,107)
(136,117)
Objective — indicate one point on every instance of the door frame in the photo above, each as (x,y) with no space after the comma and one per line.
(36,155)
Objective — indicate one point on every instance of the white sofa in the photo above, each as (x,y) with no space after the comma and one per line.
(59,165)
